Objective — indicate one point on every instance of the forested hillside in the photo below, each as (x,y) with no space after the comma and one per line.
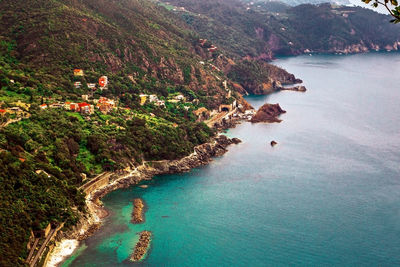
(88,86)
(265,30)
(59,125)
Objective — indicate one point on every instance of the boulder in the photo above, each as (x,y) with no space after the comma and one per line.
(268,113)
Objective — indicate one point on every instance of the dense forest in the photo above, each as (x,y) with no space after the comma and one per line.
(46,153)
(144,48)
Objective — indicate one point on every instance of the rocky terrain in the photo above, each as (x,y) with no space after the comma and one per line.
(268,113)
(141,246)
(137,212)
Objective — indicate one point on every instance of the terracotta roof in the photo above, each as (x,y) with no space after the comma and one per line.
(83,104)
(3,111)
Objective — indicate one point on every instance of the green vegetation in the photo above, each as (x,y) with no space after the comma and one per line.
(267,29)
(43,156)
(143,48)
(392,7)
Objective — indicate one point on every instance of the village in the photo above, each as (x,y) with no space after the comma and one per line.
(88,104)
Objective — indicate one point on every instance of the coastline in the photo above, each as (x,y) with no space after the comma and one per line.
(69,241)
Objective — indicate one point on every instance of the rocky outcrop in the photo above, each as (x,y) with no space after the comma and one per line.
(141,247)
(268,113)
(299,88)
(137,212)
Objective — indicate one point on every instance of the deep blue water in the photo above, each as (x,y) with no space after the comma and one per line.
(328,194)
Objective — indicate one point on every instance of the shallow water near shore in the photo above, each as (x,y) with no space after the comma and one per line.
(327,194)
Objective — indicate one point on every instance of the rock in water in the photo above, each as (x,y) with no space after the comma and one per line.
(137,213)
(141,247)
(236,140)
(273,143)
(268,113)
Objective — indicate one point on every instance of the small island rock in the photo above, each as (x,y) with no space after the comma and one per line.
(268,113)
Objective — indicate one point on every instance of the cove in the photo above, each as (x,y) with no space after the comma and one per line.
(327,194)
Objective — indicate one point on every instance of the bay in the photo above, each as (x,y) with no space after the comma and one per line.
(328,194)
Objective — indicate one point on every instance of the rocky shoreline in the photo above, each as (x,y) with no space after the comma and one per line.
(141,247)
(298,88)
(91,222)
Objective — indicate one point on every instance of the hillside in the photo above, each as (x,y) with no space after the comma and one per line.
(61,125)
(300,2)
(259,31)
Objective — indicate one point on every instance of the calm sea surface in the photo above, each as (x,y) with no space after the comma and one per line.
(328,194)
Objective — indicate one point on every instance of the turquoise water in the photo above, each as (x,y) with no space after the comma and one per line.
(328,194)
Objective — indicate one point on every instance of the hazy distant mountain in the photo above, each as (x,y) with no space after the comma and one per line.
(299,2)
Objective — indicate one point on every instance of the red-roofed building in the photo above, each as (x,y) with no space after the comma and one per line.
(85,108)
(3,111)
(74,107)
(43,106)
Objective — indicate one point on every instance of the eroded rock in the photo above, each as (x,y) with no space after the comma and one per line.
(268,113)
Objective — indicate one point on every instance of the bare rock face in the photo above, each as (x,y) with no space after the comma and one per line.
(268,113)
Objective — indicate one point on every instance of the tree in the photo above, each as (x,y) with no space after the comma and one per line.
(391,5)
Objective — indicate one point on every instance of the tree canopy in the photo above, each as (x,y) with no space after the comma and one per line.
(391,5)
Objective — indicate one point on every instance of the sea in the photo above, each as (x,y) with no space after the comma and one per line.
(327,195)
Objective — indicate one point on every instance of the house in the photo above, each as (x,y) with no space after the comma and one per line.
(85,97)
(105,100)
(85,108)
(143,99)
(103,82)
(180,97)
(105,105)
(104,108)
(74,107)
(91,86)
(43,106)
(212,48)
(78,72)
(153,98)
(77,85)
(160,103)
(56,105)
(3,112)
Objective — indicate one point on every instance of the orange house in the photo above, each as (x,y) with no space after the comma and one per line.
(78,72)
